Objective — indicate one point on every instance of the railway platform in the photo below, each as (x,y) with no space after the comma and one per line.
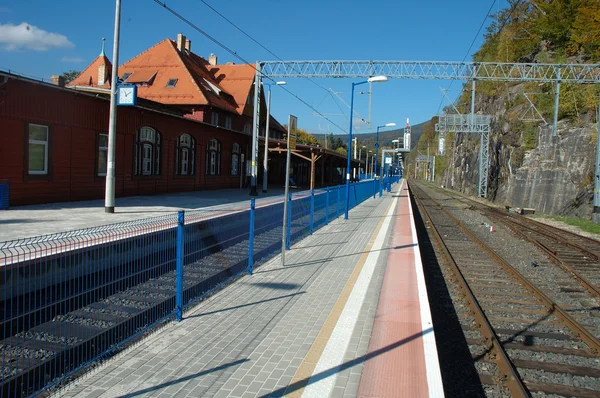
(347,315)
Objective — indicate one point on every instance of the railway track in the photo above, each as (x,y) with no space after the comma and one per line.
(527,335)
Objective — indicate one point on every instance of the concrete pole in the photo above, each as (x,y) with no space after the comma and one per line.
(255,126)
(265,161)
(472,99)
(556,98)
(109,194)
(359,159)
(596,212)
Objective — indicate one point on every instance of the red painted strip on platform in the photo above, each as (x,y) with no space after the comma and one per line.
(396,367)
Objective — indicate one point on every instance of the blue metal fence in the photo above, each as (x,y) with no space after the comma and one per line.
(72,298)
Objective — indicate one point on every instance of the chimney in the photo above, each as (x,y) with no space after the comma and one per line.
(180,42)
(101,74)
(212,59)
(58,80)
(188,46)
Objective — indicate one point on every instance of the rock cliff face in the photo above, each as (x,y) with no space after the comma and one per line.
(555,177)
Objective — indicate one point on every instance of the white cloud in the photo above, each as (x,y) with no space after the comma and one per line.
(72,59)
(15,37)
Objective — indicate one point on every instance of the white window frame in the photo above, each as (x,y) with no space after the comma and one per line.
(214,118)
(38,142)
(147,163)
(185,155)
(147,149)
(213,157)
(102,149)
(235,159)
(228,122)
(248,128)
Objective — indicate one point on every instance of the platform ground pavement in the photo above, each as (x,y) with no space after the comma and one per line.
(260,336)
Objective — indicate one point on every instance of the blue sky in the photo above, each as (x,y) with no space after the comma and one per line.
(68,36)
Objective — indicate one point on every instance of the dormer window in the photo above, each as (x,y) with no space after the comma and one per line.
(171,83)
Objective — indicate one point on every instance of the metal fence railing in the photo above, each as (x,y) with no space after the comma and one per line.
(74,297)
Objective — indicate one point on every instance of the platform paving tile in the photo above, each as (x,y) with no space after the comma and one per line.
(271,318)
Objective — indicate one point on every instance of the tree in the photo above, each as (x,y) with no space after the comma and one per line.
(303,137)
(70,75)
(586,29)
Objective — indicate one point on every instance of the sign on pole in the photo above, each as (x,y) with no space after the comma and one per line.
(292,129)
(291,140)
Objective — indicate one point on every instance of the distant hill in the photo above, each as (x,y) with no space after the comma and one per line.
(385,136)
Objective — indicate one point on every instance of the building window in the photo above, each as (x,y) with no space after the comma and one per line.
(235,159)
(38,149)
(247,128)
(147,152)
(213,158)
(185,156)
(171,83)
(102,154)
(214,118)
(228,122)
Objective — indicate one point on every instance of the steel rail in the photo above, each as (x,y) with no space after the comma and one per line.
(549,232)
(498,354)
(552,307)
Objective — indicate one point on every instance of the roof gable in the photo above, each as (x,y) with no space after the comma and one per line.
(89,76)
(237,80)
(163,63)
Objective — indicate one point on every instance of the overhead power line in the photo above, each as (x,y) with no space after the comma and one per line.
(164,5)
(470,47)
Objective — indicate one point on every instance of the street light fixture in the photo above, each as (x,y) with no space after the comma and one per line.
(281,83)
(373,79)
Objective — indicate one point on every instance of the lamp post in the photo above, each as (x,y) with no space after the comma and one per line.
(377,140)
(282,83)
(355,142)
(374,79)
(360,158)
(109,189)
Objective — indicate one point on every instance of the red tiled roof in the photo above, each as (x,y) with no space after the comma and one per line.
(89,76)
(195,85)
(226,87)
(237,80)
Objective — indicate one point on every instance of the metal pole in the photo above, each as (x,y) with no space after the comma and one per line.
(267,142)
(179,266)
(285,201)
(312,210)
(472,100)
(376,150)
(555,131)
(348,157)
(109,193)
(288,240)
(359,159)
(381,175)
(256,124)
(251,237)
(596,212)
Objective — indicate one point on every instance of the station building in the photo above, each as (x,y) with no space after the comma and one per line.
(190,130)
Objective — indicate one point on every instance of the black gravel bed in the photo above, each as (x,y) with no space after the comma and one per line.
(555,283)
